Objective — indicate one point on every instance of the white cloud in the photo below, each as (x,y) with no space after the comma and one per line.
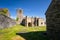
(13,17)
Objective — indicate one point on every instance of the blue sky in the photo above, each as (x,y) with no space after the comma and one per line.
(30,7)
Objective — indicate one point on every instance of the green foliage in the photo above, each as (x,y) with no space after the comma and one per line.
(8,33)
(17,19)
(3,11)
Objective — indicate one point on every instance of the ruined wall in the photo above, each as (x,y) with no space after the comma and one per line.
(6,22)
(8,14)
(29,21)
(34,21)
(41,22)
(26,23)
(53,20)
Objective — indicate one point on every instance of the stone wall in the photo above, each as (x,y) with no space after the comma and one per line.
(8,14)
(6,22)
(34,21)
(41,22)
(53,20)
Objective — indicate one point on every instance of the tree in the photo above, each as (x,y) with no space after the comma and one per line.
(17,19)
(3,11)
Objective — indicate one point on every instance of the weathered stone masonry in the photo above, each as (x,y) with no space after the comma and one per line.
(29,21)
(53,20)
(5,20)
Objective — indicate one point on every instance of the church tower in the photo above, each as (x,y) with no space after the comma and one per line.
(19,15)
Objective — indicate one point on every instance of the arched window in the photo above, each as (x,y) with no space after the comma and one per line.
(41,22)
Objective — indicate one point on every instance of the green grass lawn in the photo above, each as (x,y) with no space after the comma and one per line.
(9,33)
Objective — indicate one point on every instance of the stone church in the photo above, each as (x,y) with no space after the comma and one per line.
(29,21)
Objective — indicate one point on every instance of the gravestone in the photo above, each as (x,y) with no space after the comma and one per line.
(53,20)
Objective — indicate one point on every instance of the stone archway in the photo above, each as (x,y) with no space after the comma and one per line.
(29,24)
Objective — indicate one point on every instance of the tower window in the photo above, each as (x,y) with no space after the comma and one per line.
(20,10)
(41,22)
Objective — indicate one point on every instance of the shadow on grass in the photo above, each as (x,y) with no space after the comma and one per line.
(38,35)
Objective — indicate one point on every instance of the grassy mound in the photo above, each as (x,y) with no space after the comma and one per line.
(10,33)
